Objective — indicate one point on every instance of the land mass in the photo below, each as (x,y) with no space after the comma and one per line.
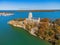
(6,13)
(43,28)
(37,10)
(11,11)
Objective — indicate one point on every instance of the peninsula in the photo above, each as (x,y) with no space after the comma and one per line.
(43,28)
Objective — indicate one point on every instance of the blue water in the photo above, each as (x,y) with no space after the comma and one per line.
(10,36)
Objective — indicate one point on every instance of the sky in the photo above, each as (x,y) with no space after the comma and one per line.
(29,4)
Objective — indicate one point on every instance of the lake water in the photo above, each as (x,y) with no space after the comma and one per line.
(16,36)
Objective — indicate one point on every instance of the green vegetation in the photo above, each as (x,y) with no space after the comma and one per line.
(21,19)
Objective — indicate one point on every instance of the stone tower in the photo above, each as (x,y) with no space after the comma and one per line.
(38,19)
(30,15)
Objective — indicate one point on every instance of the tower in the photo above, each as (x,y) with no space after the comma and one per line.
(38,19)
(30,15)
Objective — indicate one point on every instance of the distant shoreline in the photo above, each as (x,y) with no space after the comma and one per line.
(30,10)
(38,10)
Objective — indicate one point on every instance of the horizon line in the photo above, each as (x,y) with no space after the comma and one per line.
(52,10)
